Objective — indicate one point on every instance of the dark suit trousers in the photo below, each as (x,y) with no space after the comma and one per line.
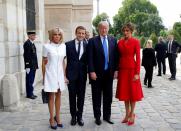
(172,64)
(161,66)
(148,74)
(76,97)
(102,86)
(29,82)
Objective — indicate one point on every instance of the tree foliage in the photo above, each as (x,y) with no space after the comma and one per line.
(101,17)
(163,33)
(140,12)
(177,31)
(142,41)
(177,27)
(154,38)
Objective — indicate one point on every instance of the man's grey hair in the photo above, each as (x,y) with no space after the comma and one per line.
(160,39)
(103,23)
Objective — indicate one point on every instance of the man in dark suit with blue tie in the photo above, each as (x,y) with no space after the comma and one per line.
(172,49)
(31,63)
(76,73)
(102,66)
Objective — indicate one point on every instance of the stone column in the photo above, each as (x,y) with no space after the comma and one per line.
(57,15)
(68,14)
(11,18)
(10,91)
(12,36)
(40,31)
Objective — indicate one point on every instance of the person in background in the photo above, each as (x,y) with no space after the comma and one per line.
(53,70)
(31,63)
(148,61)
(173,47)
(87,36)
(76,73)
(102,66)
(129,87)
(160,49)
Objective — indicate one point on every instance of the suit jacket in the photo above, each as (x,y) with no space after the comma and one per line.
(76,67)
(30,55)
(148,59)
(129,54)
(176,47)
(96,59)
(160,49)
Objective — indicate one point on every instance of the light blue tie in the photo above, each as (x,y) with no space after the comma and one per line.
(105,53)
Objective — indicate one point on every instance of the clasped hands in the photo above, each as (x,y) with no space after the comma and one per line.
(93,75)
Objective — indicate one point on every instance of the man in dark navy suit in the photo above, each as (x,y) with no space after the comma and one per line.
(102,66)
(31,63)
(76,73)
(172,49)
(87,36)
(161,49)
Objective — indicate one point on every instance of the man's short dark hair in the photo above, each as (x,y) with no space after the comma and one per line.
(80,27)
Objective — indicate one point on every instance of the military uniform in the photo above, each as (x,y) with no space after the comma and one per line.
(31,64)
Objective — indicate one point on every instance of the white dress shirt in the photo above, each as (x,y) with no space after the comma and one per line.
(81,47)
(170,46)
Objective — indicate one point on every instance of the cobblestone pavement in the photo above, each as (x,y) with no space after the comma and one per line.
(160,110)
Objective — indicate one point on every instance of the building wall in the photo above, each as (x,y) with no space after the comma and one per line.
(12,36)
(68,14)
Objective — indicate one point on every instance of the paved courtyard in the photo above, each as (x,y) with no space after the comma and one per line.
(160,110)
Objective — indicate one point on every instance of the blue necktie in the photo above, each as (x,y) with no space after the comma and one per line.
(105,53)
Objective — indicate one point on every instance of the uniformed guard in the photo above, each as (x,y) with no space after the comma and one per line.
(31,63)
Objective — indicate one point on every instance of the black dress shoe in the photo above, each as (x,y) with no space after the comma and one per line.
(35,96)
(31,97)
(80,122)
(109,121)
(98,121)
(73,121)
(150,86)
(171,78)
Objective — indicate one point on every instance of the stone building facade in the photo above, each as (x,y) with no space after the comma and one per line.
(14,24)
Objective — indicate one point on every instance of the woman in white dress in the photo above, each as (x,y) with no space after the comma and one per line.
(53,69)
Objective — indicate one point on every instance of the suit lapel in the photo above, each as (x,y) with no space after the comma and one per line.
(84,49)
(74,48)
(109,46)
(99,45)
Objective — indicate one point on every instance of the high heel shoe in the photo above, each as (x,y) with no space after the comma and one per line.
(125,120)
(59,125)
(52,125)
(131,122)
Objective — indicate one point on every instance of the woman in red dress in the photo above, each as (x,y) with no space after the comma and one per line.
(129,87)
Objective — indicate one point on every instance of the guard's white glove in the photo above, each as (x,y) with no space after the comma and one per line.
(27,70)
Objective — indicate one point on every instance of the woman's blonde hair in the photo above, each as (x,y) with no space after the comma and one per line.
(56,30)
(148,44)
